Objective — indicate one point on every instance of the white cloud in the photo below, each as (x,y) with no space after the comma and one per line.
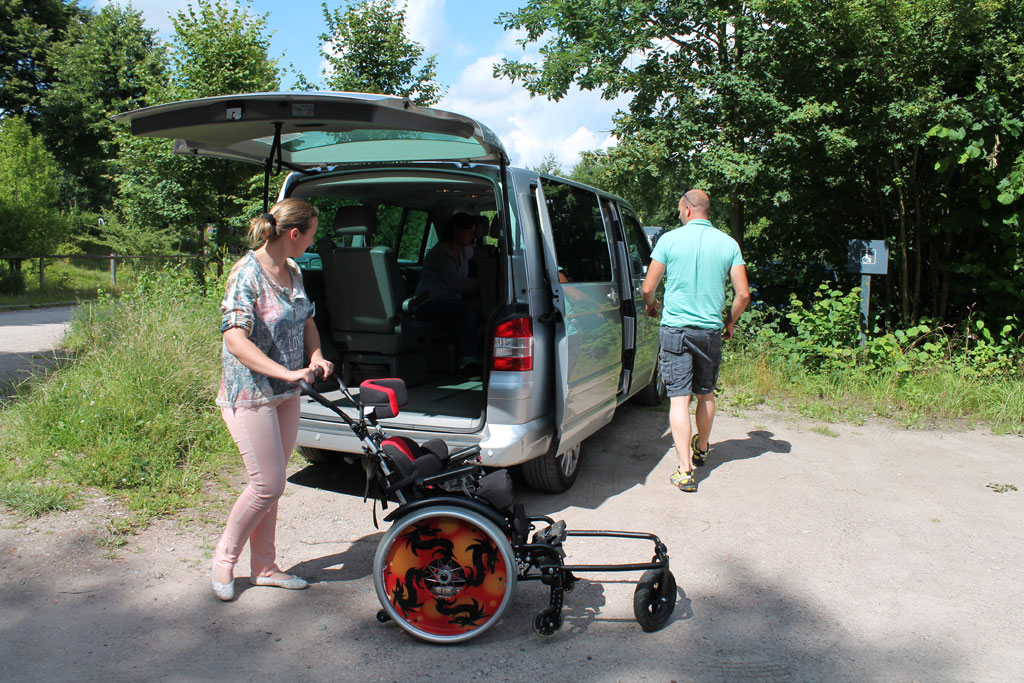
(425,24)
(531,127)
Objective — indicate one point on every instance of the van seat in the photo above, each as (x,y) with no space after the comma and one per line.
(365,289)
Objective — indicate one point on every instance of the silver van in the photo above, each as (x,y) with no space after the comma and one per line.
(562,332)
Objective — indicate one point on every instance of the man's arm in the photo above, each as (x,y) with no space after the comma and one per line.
(650,287)
(740,299)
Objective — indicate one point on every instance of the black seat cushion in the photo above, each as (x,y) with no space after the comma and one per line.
(496,489)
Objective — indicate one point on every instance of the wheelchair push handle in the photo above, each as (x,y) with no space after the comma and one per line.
(308,390)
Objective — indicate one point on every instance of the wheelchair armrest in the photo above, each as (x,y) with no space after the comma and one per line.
(458,456)
(442,477)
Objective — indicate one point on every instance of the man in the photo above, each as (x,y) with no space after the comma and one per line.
(697,258)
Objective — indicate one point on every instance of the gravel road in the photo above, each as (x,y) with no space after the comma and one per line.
(810,553)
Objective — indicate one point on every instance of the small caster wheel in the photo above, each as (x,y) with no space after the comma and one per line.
(547,622)
(382,616)
(654,599)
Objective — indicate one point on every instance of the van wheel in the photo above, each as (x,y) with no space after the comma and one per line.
(654,393)
(554,473)
(316,456)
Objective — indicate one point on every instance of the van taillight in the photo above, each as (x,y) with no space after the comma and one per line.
(513,345)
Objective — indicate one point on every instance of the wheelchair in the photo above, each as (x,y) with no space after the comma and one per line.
(447,568)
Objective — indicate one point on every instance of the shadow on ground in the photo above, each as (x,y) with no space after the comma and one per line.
(751,629)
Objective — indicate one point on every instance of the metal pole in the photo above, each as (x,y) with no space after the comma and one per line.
(113,270)
(42,273)
(865,297)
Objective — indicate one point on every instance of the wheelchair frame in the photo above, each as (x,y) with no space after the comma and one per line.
(448,567)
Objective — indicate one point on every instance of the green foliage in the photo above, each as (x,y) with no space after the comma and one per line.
(132,414)
(809,125)
(825,332)
(30,222)
(370,52)
(114,236)
(12,282)
(217,49)
(105,65)
(27,30)
(35,499)
(922,375)
(220,48)
(550,165)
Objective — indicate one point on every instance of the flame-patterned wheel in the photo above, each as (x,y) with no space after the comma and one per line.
(444,574)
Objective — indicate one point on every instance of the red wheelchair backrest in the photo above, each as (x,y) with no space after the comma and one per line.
(384,395)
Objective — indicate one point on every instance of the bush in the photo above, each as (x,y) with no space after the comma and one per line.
(919,375)
(12,282)
(133,414)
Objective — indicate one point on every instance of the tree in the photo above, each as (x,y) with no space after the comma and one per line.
(217,49)
(27,30)
(371,53)
(30,223)
(104,66)
(863,85)
(817,123)
(549,164)
(685,65)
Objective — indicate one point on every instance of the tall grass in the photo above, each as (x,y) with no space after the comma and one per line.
(69,280)
(920,379)
(132,414)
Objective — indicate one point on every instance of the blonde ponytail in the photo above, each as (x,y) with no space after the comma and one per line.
(282,217)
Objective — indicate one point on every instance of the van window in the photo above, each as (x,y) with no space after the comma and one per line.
(411,238)
(637,244)
(581,245)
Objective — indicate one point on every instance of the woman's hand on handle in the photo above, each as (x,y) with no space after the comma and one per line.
(325,367)
(304,374)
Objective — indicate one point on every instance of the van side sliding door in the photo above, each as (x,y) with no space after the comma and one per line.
(638,258)
(579,264)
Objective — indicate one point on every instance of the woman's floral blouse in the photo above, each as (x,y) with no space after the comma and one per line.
(274,318)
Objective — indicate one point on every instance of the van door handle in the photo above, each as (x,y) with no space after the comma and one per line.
(613,297)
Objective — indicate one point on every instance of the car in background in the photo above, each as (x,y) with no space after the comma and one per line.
(653,233)
(310,259)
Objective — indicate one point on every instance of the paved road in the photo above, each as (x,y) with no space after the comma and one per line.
(29,337)
(852,553)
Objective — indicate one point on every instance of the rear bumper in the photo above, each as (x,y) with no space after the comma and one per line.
(500,445)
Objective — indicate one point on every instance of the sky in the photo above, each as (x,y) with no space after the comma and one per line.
(468,43)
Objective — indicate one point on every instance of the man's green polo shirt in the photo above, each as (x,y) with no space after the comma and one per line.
(697,258)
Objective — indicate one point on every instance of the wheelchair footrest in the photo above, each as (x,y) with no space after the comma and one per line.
(554,534)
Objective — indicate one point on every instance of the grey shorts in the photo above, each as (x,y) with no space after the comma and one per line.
(684,371)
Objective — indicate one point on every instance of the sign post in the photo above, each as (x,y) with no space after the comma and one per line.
(867,257)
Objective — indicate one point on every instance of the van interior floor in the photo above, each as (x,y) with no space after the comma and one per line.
(447,402)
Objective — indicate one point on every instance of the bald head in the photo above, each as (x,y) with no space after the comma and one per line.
(694,204)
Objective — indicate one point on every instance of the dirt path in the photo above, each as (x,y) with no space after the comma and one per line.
(876,555)
(28,338)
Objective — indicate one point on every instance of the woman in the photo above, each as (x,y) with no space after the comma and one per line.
(446,285)
(267,330)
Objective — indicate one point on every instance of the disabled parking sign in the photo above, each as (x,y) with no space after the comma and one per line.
(868,257)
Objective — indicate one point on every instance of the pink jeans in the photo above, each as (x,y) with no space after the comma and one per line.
(265,437)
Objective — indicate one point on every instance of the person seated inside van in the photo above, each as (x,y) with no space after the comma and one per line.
(446,289)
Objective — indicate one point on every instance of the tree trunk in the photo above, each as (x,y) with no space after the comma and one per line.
(904,258)
(736,217)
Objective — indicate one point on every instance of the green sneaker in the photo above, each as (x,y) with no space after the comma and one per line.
(683,481)
(697,456)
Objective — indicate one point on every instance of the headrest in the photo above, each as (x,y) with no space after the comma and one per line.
(355,220)
(482,226)
(384,395)
(495,231)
